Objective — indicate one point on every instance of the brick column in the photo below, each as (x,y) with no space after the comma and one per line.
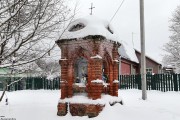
(64,89)
(70,79)
(96,66)
(115,89)
(95,90)
(111,79)
(63,82)
(115,69)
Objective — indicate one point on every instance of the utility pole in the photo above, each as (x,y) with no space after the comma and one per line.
(143,60)
(133,39)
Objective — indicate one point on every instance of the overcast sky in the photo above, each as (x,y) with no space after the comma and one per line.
(157,15)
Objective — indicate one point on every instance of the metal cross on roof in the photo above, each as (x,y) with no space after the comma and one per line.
(91,8)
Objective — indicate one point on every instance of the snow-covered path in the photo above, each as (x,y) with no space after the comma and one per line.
(42,105)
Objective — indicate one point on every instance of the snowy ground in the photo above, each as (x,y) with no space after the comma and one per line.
(42,105)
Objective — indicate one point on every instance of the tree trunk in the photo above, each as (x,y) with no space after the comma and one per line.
(3,93)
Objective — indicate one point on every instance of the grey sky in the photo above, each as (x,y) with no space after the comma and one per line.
(157,15)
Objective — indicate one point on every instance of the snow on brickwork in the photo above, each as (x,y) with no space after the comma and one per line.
(97,81)
(63,59)
(106,99)
(116,61)
(90,25)
(97,56)
(115,81)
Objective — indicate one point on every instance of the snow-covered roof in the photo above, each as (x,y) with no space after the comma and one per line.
(126,51)
(149,57)
(90,25)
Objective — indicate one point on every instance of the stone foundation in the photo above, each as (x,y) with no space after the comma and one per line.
(80,109)
(62,109)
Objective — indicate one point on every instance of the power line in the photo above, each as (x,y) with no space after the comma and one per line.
(117,10)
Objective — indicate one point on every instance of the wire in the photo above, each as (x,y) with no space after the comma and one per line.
(117,11)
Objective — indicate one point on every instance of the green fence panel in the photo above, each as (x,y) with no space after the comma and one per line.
(161,80)
(179,81)
(175,82)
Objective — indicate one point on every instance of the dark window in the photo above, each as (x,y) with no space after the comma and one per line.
(76,27)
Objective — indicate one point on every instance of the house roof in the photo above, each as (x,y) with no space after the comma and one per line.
(149,57)
(126,51)
(90,25)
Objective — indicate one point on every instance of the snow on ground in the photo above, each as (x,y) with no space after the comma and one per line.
(42,105)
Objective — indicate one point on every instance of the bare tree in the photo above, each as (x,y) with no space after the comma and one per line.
(27,23)
(25,28)
(173,46)
(49,68)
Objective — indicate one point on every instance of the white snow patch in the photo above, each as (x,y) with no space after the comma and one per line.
(42,105)
(97,81)
(116,61)
(63,81)
(115,81)
(80,84)
(105,84)
(105,99)
(63,59)
(96,57)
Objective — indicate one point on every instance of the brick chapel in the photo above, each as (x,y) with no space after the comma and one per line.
(89,59)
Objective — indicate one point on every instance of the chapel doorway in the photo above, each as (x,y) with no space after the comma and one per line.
(81,70)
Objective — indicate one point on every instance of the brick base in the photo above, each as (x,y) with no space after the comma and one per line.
(62,109)
(80,109)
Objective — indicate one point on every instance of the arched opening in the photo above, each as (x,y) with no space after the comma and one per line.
(80,71)
(105,71)
(106,68)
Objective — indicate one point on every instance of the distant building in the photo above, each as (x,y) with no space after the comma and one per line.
(131,61)
(152,66)
(169,69)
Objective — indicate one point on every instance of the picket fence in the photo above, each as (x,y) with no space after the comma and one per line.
(161,82)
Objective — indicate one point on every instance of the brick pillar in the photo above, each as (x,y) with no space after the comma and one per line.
(63,83)
(96,66)
(70,79)
(111,79)
(95,90)
(64,90)
(115,70)
(115,89)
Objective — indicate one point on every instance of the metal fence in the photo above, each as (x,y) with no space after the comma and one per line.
(161,82)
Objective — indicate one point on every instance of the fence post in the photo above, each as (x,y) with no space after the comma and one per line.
(175,82)
(153,82)
(179,81)
(139,81)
